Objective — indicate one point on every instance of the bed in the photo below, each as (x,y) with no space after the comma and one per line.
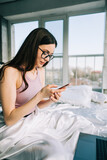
(52,133)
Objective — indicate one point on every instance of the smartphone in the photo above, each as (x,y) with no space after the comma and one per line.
(65,86)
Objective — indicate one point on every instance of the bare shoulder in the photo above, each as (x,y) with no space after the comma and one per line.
(11,72)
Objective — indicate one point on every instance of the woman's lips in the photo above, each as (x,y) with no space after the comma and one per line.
(42,63)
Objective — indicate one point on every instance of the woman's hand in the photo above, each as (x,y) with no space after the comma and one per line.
(55,96)
(49,92)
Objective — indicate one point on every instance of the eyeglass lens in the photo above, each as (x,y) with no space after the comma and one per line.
(45,55)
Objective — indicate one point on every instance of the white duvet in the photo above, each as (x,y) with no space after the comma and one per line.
(51,133)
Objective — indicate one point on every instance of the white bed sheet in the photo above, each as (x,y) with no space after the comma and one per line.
(52,133)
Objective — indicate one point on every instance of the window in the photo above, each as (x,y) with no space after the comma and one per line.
(86,46)
(82,45)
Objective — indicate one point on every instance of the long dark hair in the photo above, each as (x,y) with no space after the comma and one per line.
(27,53)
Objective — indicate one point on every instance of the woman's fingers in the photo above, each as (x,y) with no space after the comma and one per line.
(53,99)
(52,86)
(55,96)
(59,94)
(58,90)
(61,90)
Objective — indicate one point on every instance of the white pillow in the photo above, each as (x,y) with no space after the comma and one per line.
(99,97)
(77,95)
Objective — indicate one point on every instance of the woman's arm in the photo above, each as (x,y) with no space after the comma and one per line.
(8,97)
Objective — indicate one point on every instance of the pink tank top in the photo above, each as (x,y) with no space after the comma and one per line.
(33,88)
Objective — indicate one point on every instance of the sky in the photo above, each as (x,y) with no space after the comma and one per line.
(86,34)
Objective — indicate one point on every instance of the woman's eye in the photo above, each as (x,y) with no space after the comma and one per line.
(45,53)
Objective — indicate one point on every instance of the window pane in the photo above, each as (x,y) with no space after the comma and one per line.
(72,70)
(57,73)
(54,68)
(49,73)
(94,67)
(86,37)
(56,28)
(86,34)
(54,71)
(99,63)
(98,72)
(81,70)
(21,32)
(77,70)
(90,67)
(86,70)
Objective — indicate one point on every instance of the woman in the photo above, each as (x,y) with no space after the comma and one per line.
(27,132)
(22,93)
(22,79)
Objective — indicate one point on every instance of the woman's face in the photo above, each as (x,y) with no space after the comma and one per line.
(42,54)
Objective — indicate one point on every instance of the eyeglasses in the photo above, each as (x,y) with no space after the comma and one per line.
(45,54)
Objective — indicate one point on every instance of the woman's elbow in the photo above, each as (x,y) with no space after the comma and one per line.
(8,121)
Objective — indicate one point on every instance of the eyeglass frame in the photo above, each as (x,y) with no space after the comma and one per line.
(45,52)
